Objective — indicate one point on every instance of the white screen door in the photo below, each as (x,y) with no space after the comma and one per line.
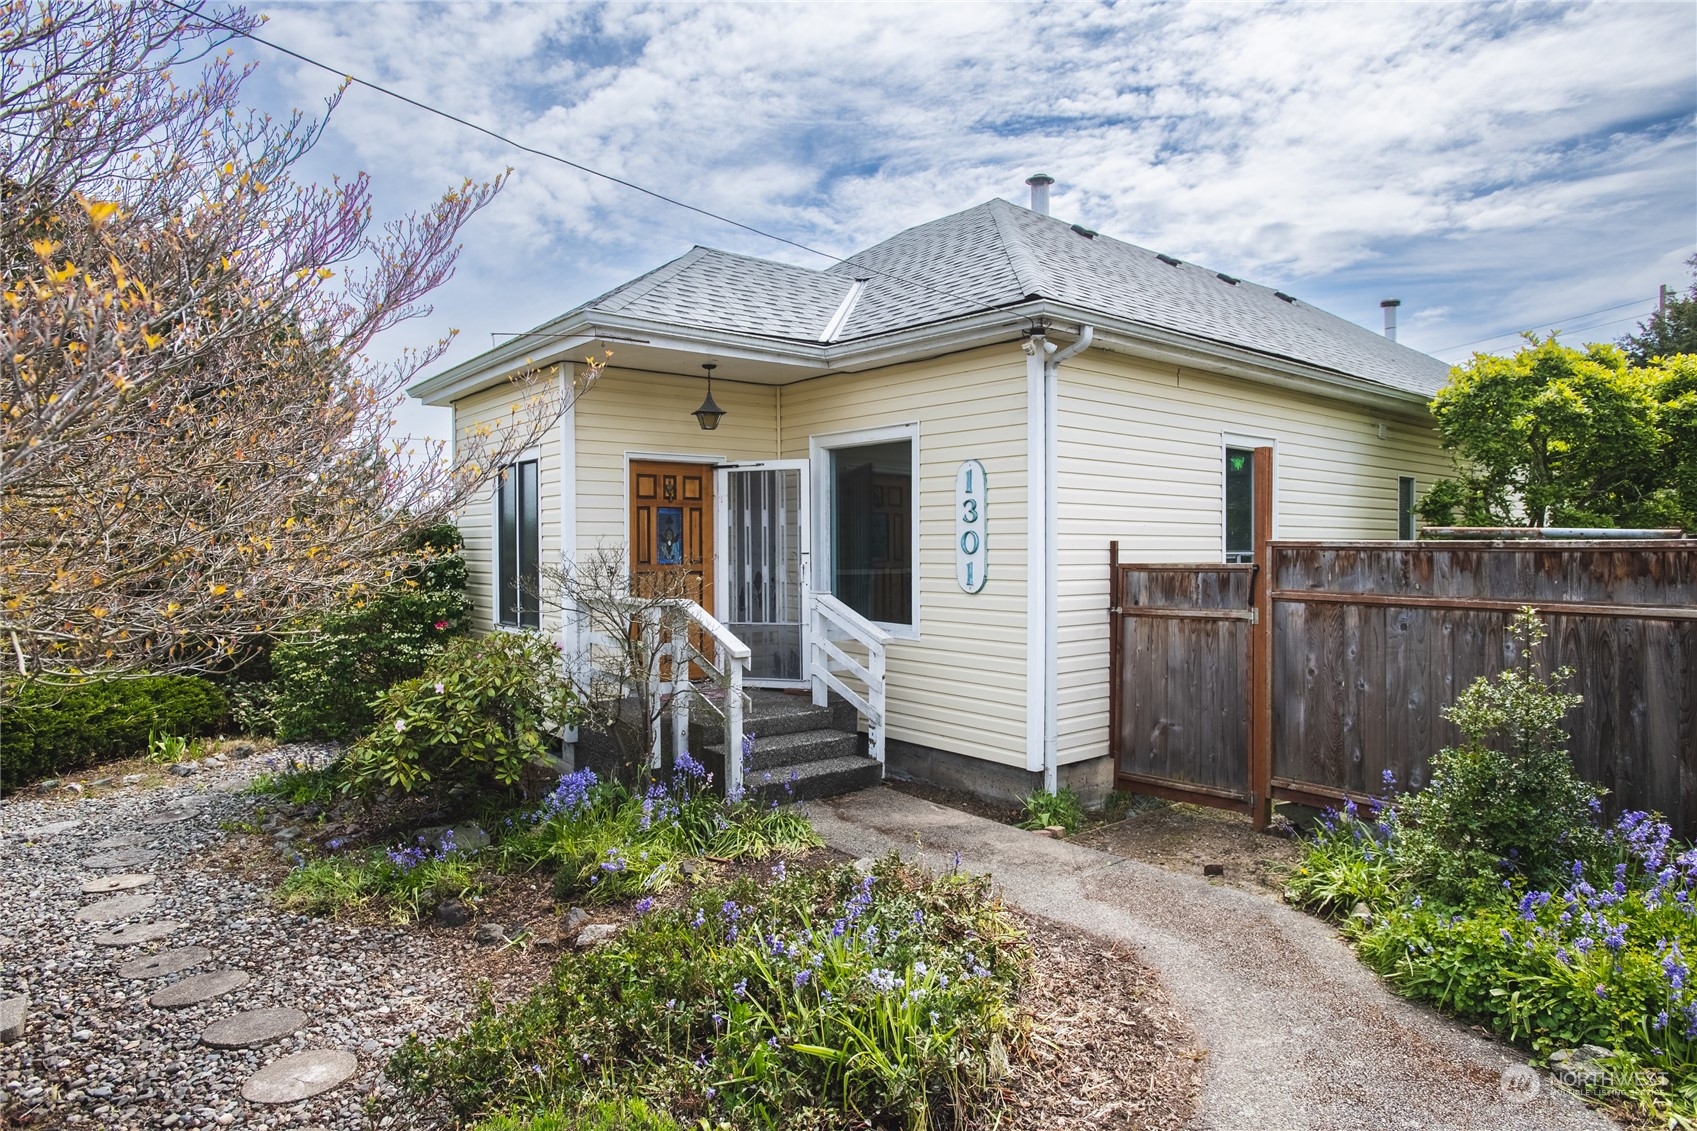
(762,585)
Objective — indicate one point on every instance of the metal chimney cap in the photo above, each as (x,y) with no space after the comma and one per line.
(1391,302)
(1039,179)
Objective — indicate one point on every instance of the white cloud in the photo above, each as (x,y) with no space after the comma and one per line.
(1490,165)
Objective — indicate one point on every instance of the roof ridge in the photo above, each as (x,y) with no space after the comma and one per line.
(1027,268)
(642,284)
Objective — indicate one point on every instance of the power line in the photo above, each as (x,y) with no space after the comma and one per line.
(1545,322)
(566,161)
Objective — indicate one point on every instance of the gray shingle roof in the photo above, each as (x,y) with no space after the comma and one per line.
(719,290)
(995,255)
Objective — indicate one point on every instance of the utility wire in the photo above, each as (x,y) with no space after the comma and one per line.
(566,161)
(1546,322)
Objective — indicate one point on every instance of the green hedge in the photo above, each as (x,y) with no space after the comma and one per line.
(327,672)
(54,730)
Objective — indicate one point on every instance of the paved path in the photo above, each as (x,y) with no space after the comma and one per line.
(1300,1034)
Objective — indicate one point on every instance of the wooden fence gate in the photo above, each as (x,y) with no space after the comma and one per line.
(1181,655)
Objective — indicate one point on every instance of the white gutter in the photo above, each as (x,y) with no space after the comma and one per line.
(1042,604)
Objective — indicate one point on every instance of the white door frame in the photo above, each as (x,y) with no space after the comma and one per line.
(722,552)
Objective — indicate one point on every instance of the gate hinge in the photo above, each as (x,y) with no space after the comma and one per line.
(1254,616)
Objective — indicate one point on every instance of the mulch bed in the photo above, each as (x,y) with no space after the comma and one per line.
(1104,1045)
(1107,1049)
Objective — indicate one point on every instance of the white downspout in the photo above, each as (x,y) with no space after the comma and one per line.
(1042,368)
(1051,541)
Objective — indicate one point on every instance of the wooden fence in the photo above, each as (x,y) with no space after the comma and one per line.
(1366,643)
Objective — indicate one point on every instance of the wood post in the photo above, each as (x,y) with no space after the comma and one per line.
(1261,648)
(1115,631)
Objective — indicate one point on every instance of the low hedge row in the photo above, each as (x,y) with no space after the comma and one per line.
(46,731)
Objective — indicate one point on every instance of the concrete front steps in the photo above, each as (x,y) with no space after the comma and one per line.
(801,752)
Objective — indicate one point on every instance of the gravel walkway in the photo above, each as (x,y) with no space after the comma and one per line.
(1299,1034)
(96,1054)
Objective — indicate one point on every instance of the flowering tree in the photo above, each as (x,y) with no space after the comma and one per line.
(193,442)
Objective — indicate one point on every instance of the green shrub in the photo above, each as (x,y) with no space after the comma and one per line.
(407,881)
(327,672)
(1600,957)
(607,844)
(477,716)
(1506,802)
(55,730)
(1043,810)
(622,1114)
(825,999)
(299,777)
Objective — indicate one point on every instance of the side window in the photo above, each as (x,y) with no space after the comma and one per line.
(1405,507)
(518,547)
(1240,505)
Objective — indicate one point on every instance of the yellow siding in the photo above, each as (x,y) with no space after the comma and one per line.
(961,686)
(1140,460)
(506,408)
(649,413)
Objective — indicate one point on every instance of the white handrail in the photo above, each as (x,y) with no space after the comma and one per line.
(734,657)
(827,664)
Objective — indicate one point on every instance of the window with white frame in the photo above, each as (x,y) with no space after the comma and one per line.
(1240,505)
(870,520)
(518,547)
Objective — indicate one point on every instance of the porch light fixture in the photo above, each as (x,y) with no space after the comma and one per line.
(709,413)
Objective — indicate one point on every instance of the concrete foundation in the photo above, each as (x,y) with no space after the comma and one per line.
(1091,780)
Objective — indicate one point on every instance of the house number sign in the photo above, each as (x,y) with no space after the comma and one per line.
(972,553)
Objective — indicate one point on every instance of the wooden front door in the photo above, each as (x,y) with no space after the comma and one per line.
(671,525)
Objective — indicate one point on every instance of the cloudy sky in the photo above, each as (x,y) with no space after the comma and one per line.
(1497,168)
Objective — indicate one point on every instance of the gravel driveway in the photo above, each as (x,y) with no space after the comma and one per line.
(96,1054)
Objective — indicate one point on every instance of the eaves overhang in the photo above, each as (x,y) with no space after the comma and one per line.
(767,360)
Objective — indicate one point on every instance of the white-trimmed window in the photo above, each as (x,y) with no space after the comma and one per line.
(1240,505)
(518,546)
(869,523)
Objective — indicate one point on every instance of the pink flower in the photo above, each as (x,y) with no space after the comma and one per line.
(440,689)
(440,625)
(400,726)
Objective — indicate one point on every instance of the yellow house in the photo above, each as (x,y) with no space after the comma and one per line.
(924,452)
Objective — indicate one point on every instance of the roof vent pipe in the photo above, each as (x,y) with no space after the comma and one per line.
(1389,307)
(1040,183)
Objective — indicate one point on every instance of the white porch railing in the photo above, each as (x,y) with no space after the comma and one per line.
(828,663)
(671,624)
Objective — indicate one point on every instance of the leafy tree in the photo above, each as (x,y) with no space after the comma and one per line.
(193,442)
(1555,436)
(1671,330)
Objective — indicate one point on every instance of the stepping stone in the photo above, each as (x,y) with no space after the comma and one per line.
(300,1076)
(201,987)
(121,882)
(118,907)
(165,962)
(120,858)
(13,1011)
(121,840)
(132,933)
(54,828)
(254,1028)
